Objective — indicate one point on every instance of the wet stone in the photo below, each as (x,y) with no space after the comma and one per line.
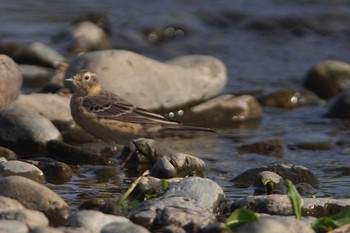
(10,80)
(19,168)
(328,78)
(287,98)
(73,155)
(55,172)
(340,106)
(295,173)
(225,109)
(104,205)
(273,147)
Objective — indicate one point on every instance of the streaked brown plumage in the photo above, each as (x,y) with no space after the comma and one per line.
(111,118)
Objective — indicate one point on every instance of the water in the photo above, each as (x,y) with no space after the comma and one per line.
(260,59)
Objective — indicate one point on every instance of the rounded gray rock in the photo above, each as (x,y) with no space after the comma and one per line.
(152,84)
(19,125)
(10,80)
(13,226)
(121,227)
(19,168)
(31,218)
(35,196)
(94,220)
(54,107)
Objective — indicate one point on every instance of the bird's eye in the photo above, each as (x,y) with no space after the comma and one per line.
(86,77)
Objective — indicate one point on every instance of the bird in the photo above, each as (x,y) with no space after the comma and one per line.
(112,119)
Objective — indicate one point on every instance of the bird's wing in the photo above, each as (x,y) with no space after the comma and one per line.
(111,107)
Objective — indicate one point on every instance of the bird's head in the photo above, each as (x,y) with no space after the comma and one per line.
(85,82)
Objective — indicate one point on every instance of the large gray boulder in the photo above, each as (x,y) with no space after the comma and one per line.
(152,84)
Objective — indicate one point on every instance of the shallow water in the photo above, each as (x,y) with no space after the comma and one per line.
(259,59)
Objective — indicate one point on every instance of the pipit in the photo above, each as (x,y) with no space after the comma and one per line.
(112,119)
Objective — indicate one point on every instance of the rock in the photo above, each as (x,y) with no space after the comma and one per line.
(197,199)
(150,185)
(7,153)
(36,76)
(218,227)
(273,147)
(178,165)
(187,79)
(277,204)
(13,226)
(295,173)
(339,107)
(328,78)
(104,205)
(93,220)
(268,183)
(31,218)
(19,168)
(73,155)
(54,107)
(121,227)
(35,196)
(42,229)
(39,54)
(287,98)
(9,204)
(21,126)
(55,172)
(225,109)
(88,33)
(276,225)
(10,80)
(312,141)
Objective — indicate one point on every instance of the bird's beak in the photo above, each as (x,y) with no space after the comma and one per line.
(69,80)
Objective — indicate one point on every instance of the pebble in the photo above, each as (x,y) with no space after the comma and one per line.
(141,80)
(10,80)
(35,76)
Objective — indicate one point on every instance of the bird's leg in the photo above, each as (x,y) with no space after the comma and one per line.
(133,150)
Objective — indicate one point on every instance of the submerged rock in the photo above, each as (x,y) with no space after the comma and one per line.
(328,78)
(225,109)
(273,147)
(10,80)
(295,173)
(287,98)
(339,107)
(152,84)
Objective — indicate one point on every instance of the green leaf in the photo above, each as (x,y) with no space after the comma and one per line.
(240,217)
(165,185)
(329,223)
(294,198)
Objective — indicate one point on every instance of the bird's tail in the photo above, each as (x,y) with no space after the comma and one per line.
(187,128)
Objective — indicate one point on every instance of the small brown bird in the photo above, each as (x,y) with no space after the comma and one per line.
(111,118)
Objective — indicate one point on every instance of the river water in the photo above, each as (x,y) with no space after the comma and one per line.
(266,45)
